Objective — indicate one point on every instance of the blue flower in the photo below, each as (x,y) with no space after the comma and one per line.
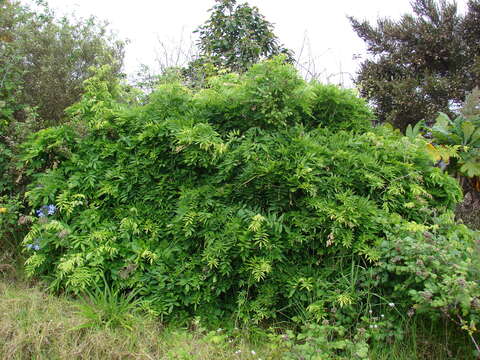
(51,209)
(40,213)
(46,210)
(35,246)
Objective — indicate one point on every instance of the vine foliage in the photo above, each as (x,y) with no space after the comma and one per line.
(254,198)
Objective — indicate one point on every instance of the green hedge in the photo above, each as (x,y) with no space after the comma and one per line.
(261,197)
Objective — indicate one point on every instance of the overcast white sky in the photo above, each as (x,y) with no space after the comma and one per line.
(332,41)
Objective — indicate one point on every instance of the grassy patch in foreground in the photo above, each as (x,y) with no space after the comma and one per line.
(36,325)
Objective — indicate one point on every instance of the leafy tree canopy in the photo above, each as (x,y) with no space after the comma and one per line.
(421,64)
(235,37)
(44,59)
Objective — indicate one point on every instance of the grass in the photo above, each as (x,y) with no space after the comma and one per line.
(427,341)
(37,325)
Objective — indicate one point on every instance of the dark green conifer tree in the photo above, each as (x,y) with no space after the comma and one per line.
(421,64)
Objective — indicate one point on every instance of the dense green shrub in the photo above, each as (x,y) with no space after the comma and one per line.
(44,60)
(12,227)
(260,197)
(436,269)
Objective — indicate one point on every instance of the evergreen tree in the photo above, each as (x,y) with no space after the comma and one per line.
(423,63)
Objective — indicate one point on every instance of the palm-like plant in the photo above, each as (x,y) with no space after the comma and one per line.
(461,134)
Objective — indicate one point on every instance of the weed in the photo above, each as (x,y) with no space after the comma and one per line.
(108,307)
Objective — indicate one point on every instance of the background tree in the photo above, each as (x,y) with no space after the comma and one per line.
(235,37)
(45,59)
(423,63)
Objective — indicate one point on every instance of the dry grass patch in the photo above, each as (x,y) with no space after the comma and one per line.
(36,325)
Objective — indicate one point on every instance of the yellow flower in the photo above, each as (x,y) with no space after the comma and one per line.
(3,210)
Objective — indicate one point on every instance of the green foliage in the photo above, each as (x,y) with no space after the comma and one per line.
(340,109)
(5,166)
(271,96)
(45,59)
(422,63)
(434,270)
(108,308)
(413,132)
(250,200)
(12,224)
(325,342)
(235,37)
(11,84)
(463,132)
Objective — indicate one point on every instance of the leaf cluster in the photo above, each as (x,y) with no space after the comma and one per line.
(463,133)
(434,271)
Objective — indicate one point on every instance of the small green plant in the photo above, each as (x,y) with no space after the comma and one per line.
(415,131)
(108,307)
(324,342)
(13,225)
(434,272)
(463,134)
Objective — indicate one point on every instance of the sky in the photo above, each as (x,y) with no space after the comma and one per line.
(321,28)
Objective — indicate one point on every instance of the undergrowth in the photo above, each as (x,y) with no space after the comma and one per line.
(37,325)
